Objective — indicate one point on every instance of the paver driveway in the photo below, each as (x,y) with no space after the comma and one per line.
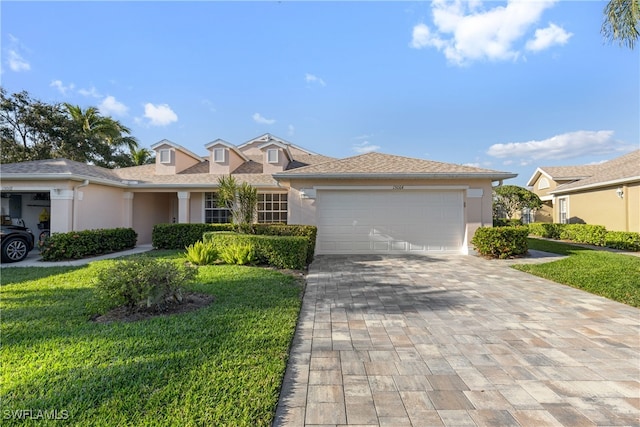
(457,340)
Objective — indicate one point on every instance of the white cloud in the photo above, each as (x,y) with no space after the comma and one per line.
(547,37)
(92,92)
(61,87)
(14,56)
(257,117)
(110,106)
(310,78)
(564,146)
(467,32)
(365,147)
(159,115)
(291,130)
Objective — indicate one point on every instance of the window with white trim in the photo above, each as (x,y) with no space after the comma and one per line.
(543,183)
(218,155)
(212,213)
(272,155)
(563,210)
(272,207)
(165,156)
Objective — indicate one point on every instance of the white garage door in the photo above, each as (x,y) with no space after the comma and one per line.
(378,221)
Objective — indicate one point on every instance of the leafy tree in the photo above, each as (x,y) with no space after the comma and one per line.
(33,130)
(241,200)
(142,156)
(622,22)
(511,199)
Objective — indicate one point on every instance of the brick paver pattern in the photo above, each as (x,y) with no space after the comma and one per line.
(457,341)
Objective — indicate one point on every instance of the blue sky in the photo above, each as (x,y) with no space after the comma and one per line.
(501,85)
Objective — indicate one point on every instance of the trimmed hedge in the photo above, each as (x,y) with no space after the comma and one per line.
(506,222)
(584,233)
(625,240)
(86,243)
(546,230)
(308,231)
(588,234)
(501,242)
(277,251)
(179,236)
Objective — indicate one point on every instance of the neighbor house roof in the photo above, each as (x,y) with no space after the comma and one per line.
(378,165)
(58,169)
(562,173)
(620,170)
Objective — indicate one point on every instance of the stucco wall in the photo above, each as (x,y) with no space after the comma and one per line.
(604,207)
(150,209)
(99,206)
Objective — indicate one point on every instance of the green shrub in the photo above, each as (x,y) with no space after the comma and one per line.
(238,253)
(142,282)
(501,242)
(546,230)
(179,236)
(308,231)
(86,243)
(506,222)
(277,251)
(201,253)
(625,240)
(584,233)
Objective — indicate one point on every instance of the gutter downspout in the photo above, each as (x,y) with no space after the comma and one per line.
(74,206)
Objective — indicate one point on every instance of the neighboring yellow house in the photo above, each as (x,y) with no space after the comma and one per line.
(605,194)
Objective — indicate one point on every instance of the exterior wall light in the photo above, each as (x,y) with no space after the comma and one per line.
(619,192)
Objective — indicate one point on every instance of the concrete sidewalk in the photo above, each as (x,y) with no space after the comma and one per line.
(35,260)
(457,341)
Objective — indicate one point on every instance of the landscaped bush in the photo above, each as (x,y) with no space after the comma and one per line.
(238,253)
(546,230)
(501,242)
(179,236)
(201,253)
(584,233)
(308,231)
(624,240)
(86,243)
(142,282)
(278,251)
(506,222)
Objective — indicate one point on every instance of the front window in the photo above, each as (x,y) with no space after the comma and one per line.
(212,213)
(563,210)
(272,207)
(165,156)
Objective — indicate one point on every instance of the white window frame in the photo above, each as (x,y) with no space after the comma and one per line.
(563,210)
(165,156)
(543,183)
(219,155)
(270,152)
(209,204)
(272,204)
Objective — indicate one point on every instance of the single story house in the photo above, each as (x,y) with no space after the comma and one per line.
(370,203)
(605,194)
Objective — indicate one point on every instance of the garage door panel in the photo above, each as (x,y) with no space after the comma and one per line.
(389,221)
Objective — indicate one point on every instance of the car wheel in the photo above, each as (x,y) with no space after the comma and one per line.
(14,249)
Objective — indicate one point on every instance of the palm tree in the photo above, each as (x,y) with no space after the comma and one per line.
(622,22)
(142,156)
(106,129)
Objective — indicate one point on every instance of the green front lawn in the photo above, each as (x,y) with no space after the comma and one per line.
(611,275)
(220,365)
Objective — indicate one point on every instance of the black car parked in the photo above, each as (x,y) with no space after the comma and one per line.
(16,243)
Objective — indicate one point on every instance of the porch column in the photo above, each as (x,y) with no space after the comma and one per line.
(183,207)
(127,209)
(61,210)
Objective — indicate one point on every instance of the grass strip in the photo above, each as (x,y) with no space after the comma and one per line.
(611,275)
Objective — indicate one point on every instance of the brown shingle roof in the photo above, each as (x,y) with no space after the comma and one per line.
(58,167)
(386,165)
(621,169)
